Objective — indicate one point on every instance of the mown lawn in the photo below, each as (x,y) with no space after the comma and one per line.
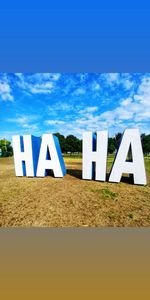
(71,201)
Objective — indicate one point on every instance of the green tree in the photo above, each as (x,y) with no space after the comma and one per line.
(117,139)
(145,139)
(111,145)
(6,148)
(62,142)
(73,144)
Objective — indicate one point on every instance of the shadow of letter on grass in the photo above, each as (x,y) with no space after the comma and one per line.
(75,173)
(78,174)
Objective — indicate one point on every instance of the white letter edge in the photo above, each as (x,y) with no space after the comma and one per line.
(131,137)
(26,151)
(50,157)
(95,155)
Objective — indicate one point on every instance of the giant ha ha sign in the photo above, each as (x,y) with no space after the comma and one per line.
(35,156)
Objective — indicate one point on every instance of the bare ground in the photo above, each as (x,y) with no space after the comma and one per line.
(71,201)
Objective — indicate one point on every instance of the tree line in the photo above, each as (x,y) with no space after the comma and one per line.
(71,144)
(5,148)
(114,142)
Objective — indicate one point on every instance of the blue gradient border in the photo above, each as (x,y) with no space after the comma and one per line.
(77,36)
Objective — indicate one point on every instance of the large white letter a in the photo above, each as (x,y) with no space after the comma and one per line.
(131,138)
(50,157)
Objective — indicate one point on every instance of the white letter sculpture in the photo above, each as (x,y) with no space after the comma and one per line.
(95,155)
(50,157)
(26,150)
(131,138)
(34,156)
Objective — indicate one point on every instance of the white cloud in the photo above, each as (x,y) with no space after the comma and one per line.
(143,94)
(5,91)
(41,77)
(128,84)
(136,109)
(30,126)
(21,119)
(77,116)
(126,102)
(37,88)
(56,76)
(96,86)
(79,91)
(38,83)
(25,122)
(84,120)
(131,112)
(59,106)
(88,109)
(43,88)
(115,79)
(83,76)
(111,78)
(54,122)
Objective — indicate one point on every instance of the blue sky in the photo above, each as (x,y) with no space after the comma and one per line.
(73,103)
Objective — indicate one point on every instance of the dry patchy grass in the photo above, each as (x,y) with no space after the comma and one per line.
(71,201)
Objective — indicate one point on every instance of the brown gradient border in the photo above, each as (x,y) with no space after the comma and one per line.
(52,263)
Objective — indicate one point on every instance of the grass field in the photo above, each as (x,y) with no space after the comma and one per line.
(71,201)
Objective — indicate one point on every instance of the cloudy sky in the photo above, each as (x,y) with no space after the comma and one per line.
(73,103)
